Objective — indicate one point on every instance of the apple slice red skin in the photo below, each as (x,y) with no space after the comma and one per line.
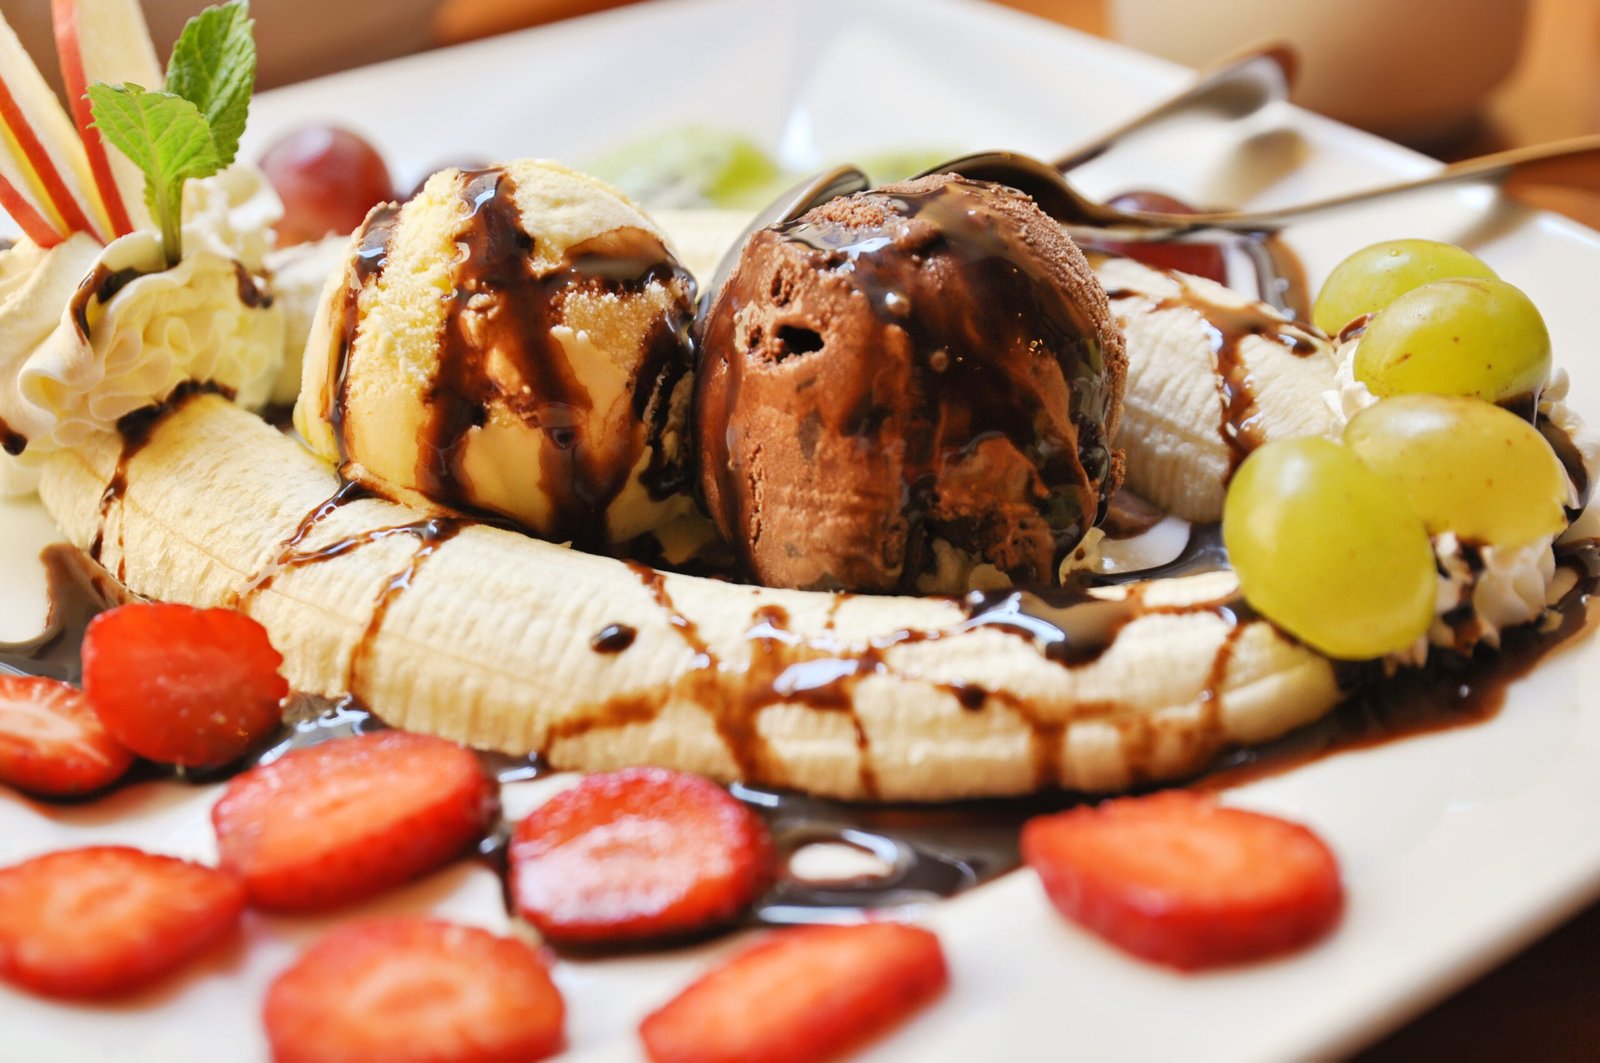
(34,155)
(34,225)
(64,20)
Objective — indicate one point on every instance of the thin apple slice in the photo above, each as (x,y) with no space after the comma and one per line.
(15,200)
(41,136)
(107,40)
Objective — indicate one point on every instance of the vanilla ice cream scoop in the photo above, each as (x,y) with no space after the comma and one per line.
(511,341)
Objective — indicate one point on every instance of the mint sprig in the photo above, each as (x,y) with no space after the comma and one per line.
(191,128)
(213,66)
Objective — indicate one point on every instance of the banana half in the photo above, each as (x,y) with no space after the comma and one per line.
(510,643)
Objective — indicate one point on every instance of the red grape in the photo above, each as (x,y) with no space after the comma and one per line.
(328,178)
(1202,260)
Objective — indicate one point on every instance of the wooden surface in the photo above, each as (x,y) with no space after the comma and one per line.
(1545,1003)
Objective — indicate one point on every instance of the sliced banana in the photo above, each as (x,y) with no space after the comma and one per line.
(488,637)
(1211,376)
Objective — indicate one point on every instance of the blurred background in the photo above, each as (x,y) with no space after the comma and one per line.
(1450,77)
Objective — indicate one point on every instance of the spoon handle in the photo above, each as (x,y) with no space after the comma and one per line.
(1233,87)
(1571,163)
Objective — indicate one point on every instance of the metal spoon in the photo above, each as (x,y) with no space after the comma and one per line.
(1236,86)
(1231,88)
(1573,163)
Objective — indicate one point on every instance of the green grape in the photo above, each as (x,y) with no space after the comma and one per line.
(1328,550)
(1466,466)
(1462,336)
(1376,276)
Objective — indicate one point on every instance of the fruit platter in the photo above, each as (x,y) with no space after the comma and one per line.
(490,613)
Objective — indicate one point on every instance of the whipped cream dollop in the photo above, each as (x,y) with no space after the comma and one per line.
(91,333)
(1483,590)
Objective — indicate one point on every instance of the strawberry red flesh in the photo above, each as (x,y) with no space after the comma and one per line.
(637,854)
(412,989)
(51,741)
(800,995)
(1178,879)
(101,921)
(345,820)
(179,685)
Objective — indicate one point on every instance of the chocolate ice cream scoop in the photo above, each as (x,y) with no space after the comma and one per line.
(910,389)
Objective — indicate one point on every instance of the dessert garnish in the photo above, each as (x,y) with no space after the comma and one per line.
(337,822)
(51,741)
(408,988)
(1376,275)
(191,127)
(328,179)
(1437,520)
(810,993)
(177,685)
(636,855)
(138,273)
(1178,879)
(106,920)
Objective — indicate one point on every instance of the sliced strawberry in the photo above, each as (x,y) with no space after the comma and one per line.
(347,819)
(798,995)
(105,920)
(179,685)
(636,854)
(1179,879)
(409,988)
(51,742)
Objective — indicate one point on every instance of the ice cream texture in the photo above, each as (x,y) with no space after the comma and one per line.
(910,389)
(512,341)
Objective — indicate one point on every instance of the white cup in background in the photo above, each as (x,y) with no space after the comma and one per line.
(1414,70)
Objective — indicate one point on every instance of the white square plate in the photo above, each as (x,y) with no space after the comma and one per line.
(1457,847)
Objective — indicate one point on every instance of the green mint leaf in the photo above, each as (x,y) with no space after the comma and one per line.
(164,135)
(213,66)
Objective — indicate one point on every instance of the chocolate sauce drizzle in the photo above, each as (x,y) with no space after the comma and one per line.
(1226,328)
(11,441)
(100,286)
(365,266)
(431,534)
(973,377)
(136,430)
(78,589)
(613,638)
(499,351)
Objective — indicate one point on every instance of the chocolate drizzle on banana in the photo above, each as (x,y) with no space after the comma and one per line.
(135,430)
(1226,326)
(783,667)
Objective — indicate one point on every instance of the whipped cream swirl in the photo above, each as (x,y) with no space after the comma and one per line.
(90,333)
